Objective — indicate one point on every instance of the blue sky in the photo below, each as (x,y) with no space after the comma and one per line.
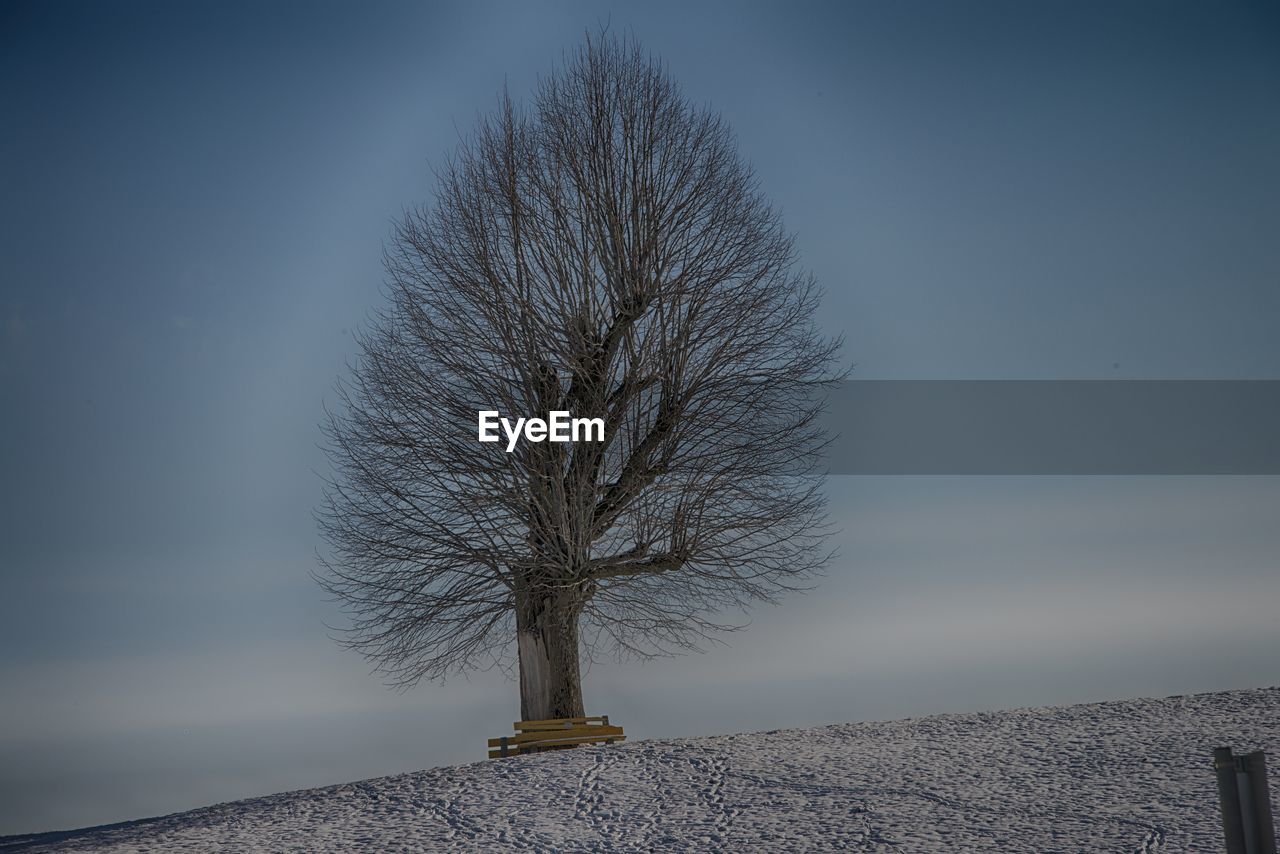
(193,206)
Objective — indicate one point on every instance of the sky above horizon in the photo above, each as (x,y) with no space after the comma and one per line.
(193,208)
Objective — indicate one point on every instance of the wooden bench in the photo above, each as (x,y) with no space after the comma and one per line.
(555,734)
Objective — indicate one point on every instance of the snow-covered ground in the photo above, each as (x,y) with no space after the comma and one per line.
(1129,776)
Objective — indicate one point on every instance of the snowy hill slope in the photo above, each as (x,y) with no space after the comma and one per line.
(1131,776)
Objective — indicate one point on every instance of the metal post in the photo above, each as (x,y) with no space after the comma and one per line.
(1245,798)
(1255,771)
(1247,820)
(1224,765)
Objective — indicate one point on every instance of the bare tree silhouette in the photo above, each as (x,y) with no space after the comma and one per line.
(604,251)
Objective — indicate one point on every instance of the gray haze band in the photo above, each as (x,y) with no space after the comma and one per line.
(1055,427)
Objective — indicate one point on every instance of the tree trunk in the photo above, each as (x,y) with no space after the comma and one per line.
(547,639)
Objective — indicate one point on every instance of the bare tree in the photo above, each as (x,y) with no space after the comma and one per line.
(604,251)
